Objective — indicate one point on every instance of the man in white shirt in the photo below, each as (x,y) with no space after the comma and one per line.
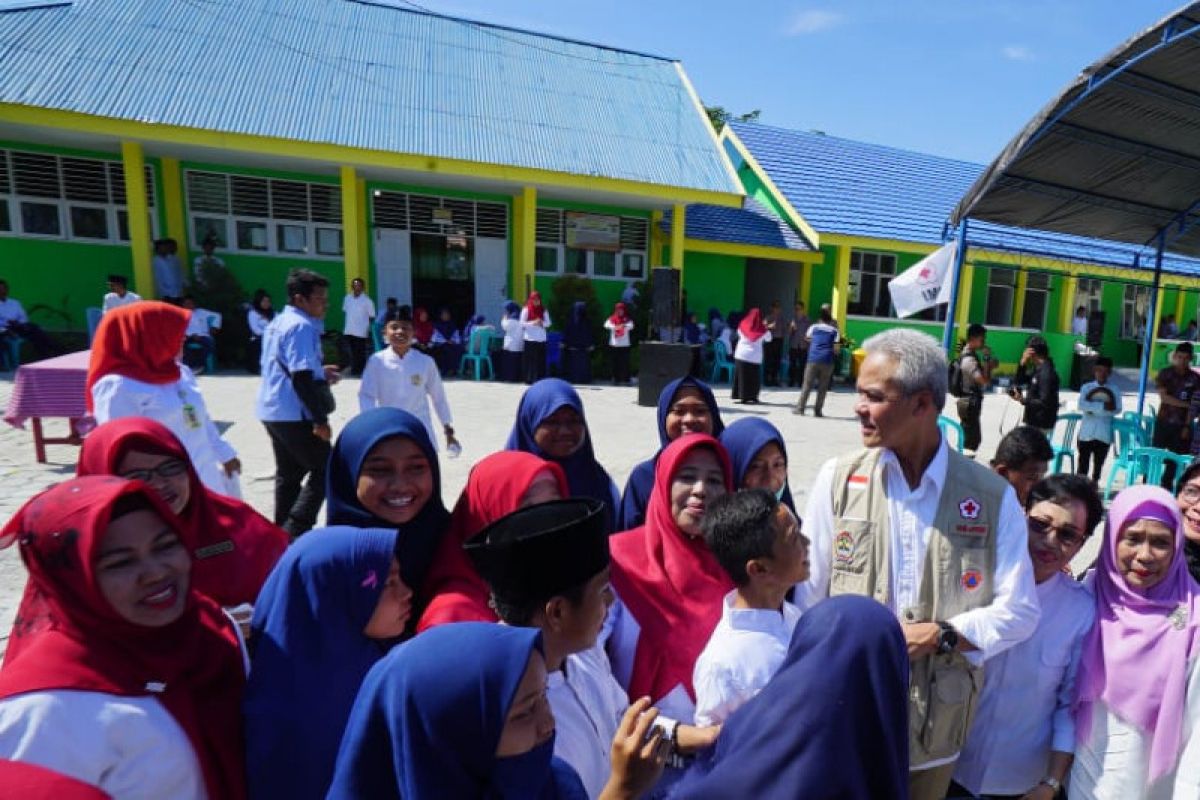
(936,537)
(1099,403)
(118,293)
(1079,322)
(168,272)
(198,337)
(205,263)
(1022,739)
(14,322)
(360,312)
(403,377)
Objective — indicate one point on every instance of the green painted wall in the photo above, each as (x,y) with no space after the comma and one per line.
(64,276)
(820,289)
(714,281)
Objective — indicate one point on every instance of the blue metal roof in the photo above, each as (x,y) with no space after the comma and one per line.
(752,224)
(873,191)
(366,75)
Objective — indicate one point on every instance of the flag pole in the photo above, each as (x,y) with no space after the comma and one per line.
(960,253)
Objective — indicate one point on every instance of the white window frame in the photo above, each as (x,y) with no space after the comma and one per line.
(1044,292)
(1089,293)
(1009,287)
(1129,310)
(19,221)
(110,221)
(879,275)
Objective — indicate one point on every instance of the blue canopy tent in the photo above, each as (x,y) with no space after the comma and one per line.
(1115,156)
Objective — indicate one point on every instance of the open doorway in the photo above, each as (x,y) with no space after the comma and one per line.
(443,274)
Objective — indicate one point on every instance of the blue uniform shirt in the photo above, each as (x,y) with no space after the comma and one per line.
(292,340)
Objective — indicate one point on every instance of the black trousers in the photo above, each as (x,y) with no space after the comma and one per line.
(772,355)
(298,453)
(356,352)
(533,361)
(749,381)
(969,411)
(1088,450)
(797,359)
(1170,437)
(620,364)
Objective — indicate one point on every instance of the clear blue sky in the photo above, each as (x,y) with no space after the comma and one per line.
(953,77)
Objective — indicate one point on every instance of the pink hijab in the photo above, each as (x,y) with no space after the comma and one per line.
(1136,657)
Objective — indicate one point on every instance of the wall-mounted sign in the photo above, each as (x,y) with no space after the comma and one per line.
(443,216)
(593,231)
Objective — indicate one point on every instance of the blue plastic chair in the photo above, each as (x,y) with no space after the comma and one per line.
(10,355)
(1065,448)
(1145,422)
(377,335)
(478,355)
(945,425)
(1128,436)
(1150,463)
(553,350)
(93,315)
(722,365)
(210,360)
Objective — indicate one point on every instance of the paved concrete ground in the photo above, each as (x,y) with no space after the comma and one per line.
(623,433)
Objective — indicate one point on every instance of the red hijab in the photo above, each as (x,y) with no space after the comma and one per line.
(422,328)
(669,581)
(533,307)
(235,546)
(752,328)
(494,489)
(76,640)
(140,341)
(620,318)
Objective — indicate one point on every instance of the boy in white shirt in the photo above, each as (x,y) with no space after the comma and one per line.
(757,540)
(1100,404)
(118,293)
(403,377)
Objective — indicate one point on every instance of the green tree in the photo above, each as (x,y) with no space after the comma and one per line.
(220,291)
(718,116)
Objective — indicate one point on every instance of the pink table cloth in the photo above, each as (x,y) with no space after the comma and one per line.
(51,388)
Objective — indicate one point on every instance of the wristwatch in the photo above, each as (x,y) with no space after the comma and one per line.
(947,639)
(1053,782)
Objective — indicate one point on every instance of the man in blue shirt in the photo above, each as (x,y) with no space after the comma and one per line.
(294,401)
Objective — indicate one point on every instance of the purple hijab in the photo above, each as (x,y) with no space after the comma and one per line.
(1136,657)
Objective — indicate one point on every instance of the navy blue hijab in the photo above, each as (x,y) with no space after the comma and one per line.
(310,656)
(585,476)
(429,716)
(832,723)
(419,538)
(578,332)
(641,480)
(743,439)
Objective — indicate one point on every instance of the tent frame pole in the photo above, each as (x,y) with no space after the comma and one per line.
(960,255)
(1150,334)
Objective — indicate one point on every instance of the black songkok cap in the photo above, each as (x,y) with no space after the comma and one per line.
(539,552)
(114,278)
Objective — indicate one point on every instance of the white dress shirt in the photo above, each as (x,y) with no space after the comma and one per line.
(751,352)
(613,339)
(588,704)
(514,335)
(1114,762)
(257,322)
(408,383)
(202,321)
(127,746)
(743,653)
(1097,420)
(168,276)
(113,300)
(11,311)
(532,331)
(1079,326)
(359,312)
(1024,711)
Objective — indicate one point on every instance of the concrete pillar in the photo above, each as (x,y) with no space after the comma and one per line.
(140,243)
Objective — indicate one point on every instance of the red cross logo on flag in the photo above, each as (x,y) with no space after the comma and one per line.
(969,508)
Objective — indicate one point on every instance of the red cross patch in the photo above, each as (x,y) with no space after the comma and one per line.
(969,508)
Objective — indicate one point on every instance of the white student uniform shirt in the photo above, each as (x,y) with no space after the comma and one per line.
(1024,711)
(514,334)
(588,704)
(1013,613)
(11,311)
(1079,326)
(1096,425)
(180,407)
(113,300)
(408,383)
(743,653)
(131,747)
(199,322)
(532,331)
(613,339)
(1114,763)
(257,322)
(359,312)
(751,352)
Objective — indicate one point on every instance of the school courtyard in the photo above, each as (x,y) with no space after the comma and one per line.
(623,433)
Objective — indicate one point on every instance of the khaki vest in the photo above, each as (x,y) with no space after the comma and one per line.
(958,574)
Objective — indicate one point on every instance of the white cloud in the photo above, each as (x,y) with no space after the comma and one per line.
(812,21)
(1017,52)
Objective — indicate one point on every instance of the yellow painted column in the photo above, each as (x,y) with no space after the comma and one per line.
(352,241)
(962,314)
(655,257)
(364,234)
(1066,309)
(1180,298)
(524,241)
(140,244)
(841,286)
(806,271)
(1158,315)
(1019,298)
(678,233)
(172,200)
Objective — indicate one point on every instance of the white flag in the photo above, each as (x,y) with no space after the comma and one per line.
(926,283)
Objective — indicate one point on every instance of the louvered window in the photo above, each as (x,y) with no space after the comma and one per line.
(289,200)
(391,210)
(549,225)
(326,203)
(491,220)
(208,192)
(36,175)
(249,197)
(634,233)
(84,179)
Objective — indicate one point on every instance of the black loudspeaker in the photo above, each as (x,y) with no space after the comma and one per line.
(664,309)
(1095,330)
(659,364)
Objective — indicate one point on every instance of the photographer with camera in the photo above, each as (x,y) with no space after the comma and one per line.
(975,365)
(1037,374)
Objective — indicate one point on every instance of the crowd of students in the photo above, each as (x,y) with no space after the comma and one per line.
(680,638)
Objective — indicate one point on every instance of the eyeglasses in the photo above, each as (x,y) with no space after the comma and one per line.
(1067,537)
(167,469)
(1190,493)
